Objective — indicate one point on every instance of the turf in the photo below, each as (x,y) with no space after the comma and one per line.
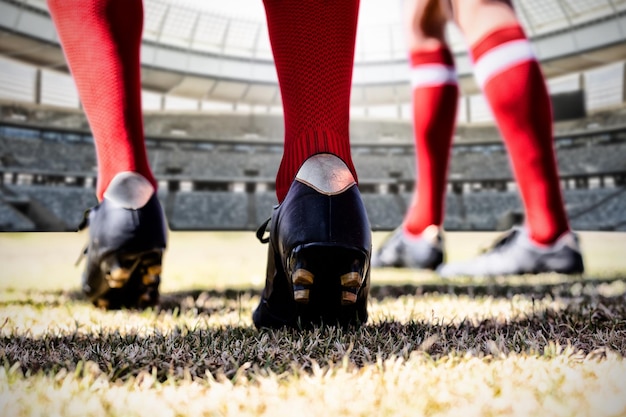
(520,346)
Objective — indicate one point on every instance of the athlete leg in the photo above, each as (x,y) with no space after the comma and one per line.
(511,79)
(101,40)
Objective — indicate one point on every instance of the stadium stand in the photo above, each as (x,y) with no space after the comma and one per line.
(46,155)
(378,166)
(209,210)
(480,165)
(66,205)
(592,158)
(383,210)
(265,201)
(454,215)
(607,213)
(11,220)
(483,209)
(214,126)
(217,170)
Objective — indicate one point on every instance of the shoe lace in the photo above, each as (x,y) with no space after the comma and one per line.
(264,228)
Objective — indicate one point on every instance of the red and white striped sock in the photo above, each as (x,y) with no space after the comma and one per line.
(508,73)
(313,46)
(101,40)
(435,100)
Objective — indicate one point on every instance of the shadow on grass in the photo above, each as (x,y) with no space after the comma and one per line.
(591,324)
(537,287)
(231,351)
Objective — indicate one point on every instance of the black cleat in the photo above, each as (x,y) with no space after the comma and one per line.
(127,237)
(319,251)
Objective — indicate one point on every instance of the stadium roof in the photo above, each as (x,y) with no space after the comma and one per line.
(221,51)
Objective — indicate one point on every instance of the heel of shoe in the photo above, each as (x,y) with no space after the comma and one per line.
(320,248)
(326,279)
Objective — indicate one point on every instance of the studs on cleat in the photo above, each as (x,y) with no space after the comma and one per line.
(149,279)
(117,276)
(301,295)
(133,279)
(351,279)
(302,281)
(348,297)
(152,275)
(350,284)
(334,275)
(302,277)
(154,270)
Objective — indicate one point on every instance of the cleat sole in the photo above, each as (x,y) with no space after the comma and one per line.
(350,283)
(351,279)
(326,279)
(117,278)
(302,277)
(149,279)
(133,280)
(302,296)
(302,281)
(154,270)
(348,297)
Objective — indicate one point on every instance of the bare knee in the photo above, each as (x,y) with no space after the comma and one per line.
(425,22)
(475,18)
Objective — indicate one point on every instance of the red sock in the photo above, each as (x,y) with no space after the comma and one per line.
(514,86)
(313,46)
(101,40)
(435,100)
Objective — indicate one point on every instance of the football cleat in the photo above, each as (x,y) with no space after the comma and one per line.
(401,250)
(515,254)
(127,237)
(319,251)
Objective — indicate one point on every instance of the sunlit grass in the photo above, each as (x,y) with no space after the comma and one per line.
(554,383)
(542,345)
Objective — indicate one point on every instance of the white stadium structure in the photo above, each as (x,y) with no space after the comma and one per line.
(213,117)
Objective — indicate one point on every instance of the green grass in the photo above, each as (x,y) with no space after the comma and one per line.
(541,345)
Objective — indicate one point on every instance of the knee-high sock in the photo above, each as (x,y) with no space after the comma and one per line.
(313,46)
(512,81)
(435,99)
(101,41)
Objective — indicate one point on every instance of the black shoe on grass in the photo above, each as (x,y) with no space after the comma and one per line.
(319,251)
(127,237)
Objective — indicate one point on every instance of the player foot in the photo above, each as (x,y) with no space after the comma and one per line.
(127,237)
(319,251)
(515,253)
(401,250)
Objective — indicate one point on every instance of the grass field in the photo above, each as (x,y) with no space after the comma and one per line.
(542,345)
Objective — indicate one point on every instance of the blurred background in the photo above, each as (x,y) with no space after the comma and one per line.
(213,118)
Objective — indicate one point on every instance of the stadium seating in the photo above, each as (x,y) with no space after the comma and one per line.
(46,155)
(608,212)
(214,153)
(66,204)
(12,220)
(200,210)
(265,201)
(383,210)
(483,209)
(592,158)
